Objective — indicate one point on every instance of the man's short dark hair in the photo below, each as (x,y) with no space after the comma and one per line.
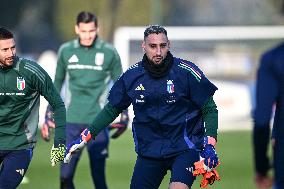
(86,17)
(5,34)
(154,29)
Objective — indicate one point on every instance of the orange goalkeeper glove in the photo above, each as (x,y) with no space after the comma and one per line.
(209,175)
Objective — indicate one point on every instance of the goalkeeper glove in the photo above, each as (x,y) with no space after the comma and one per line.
(48,124)
(207,164)
(120,126)
(209,154)
(57,153)
(77,145)
(209,176)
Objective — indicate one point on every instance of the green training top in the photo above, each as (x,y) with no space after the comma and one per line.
(88,72)
(20,88)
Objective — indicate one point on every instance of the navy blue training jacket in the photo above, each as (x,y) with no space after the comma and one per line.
(167,110)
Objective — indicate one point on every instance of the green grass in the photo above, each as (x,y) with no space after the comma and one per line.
(234,149)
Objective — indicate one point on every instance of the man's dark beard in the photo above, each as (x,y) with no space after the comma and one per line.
(158,70)
(4,66)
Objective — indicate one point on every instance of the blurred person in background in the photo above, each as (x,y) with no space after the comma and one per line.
(87,64)
(22,82)
(176,118)
(269,92)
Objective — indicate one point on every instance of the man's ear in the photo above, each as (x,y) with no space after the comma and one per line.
(143,46)
(76,29)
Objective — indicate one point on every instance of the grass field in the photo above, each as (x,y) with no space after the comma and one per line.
(234,149)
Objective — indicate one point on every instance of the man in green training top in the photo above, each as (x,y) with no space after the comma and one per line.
(21,83)
(87,64)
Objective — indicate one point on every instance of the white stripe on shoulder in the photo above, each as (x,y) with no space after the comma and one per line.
(32,68)
(133,66)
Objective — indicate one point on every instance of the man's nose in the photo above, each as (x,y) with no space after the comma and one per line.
(88,35)
(159,51)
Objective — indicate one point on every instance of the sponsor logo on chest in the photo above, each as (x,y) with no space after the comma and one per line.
(141,99)
(73,59)
(140,88)
(99,61)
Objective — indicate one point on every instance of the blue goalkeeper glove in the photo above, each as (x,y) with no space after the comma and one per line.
(120,126)
(209,154)
(77,145)
(48,124)
(57,153)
